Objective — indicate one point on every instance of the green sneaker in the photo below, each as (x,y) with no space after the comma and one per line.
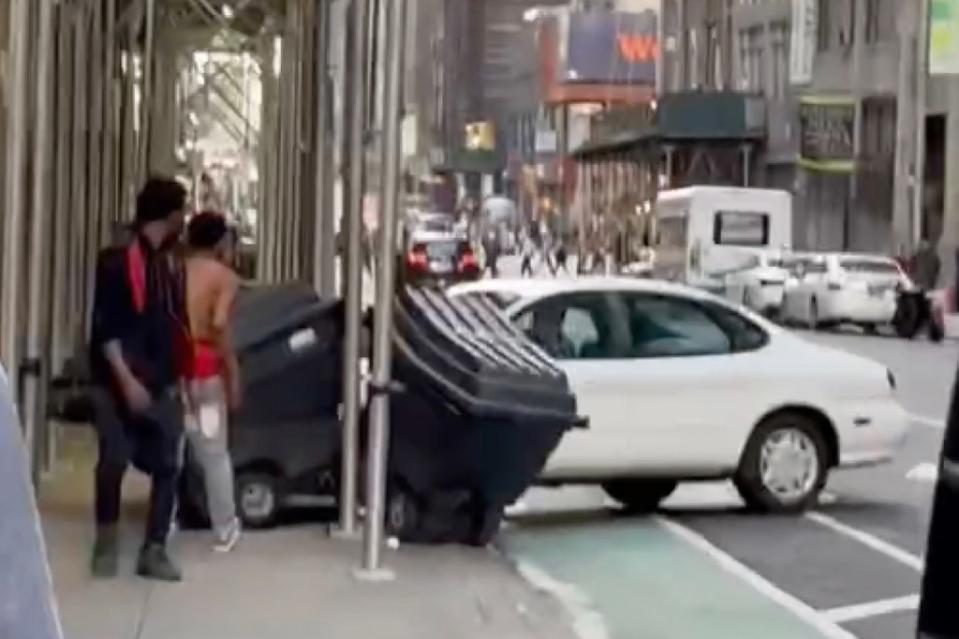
(155,563)
(103,564)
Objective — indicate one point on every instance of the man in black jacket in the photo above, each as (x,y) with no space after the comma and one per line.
(138,327)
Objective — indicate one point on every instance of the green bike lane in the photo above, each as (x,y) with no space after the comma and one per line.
(629,578)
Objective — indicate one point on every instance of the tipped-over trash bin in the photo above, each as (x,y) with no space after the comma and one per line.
(479,411)
(286,436)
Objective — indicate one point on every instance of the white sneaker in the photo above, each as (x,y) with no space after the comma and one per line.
(229,541)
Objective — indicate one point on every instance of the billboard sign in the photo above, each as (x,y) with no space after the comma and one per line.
(827,126)
(610,48)
(944,37)
(805,20)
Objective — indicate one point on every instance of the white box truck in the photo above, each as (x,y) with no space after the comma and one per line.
(701,231)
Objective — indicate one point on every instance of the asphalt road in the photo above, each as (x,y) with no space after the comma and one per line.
(849,569)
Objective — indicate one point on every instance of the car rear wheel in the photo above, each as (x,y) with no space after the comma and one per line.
(784,466)
(640,495)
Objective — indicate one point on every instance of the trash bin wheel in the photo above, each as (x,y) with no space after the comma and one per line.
(258,499)
(486,524)
(403,511)
(640,495)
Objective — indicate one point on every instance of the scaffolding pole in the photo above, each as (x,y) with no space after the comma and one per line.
(16,160)
(324,234)
(379,437)
(39,258)
(146,93)
(358,34)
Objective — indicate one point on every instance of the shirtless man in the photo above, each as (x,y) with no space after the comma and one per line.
(211,372)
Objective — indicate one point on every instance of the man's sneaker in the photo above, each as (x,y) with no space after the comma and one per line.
(229,540)
(154,563)
(103,563)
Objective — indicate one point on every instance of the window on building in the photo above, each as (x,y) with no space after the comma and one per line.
(752,60)
(823,31)
(714,57)
(694,74)
(779,36)
(847,30)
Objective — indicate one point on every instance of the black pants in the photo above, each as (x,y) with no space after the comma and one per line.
(526,268)
(151,442)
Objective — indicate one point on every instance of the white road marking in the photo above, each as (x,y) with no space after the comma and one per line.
(931,422)
(879,545)
(845,614)
(828,628)
(588,623)
(926,472)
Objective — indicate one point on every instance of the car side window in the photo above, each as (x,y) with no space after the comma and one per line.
(578,326)
(666,326)
(745,335)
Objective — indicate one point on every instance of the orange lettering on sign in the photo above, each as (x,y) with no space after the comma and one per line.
(637,48)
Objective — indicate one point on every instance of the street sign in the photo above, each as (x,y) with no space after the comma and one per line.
(944,37)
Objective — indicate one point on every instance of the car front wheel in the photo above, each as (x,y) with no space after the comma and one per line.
(784,466)
(640,495)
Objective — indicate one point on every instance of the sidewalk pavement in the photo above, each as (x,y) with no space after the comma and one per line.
(287,583)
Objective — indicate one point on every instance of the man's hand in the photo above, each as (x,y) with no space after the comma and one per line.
(136,395)
(234,393)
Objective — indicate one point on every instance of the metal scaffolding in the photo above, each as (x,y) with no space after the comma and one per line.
(101,94)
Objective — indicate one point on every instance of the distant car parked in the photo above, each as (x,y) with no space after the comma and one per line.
(845,288)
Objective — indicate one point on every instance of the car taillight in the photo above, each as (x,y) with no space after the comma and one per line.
(468,261)
(891,378)
(417,259)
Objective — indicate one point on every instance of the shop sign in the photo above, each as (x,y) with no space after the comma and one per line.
(944,37)
(827,128)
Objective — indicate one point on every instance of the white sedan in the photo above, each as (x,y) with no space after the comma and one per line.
(759,282)
(678,384)
(838,288)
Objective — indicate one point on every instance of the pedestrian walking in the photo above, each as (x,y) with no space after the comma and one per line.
(139,317)
(211,373)
(561,257)
(491,247)
(528,253)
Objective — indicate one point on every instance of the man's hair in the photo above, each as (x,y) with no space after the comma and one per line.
(159,198)
(206,229)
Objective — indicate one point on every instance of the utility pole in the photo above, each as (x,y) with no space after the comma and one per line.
(380,385)
(355,120)
(922,84)
(906,108)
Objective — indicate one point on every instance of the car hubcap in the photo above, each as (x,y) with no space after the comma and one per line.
(789,464)
(257,500)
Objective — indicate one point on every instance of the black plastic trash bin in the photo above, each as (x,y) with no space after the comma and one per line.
(286,436)
(481,411)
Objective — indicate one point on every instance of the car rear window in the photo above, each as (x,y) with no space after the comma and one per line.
(870,266)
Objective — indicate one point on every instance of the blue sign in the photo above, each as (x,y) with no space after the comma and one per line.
(611,48)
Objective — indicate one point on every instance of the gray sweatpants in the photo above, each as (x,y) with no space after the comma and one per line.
(205,424)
